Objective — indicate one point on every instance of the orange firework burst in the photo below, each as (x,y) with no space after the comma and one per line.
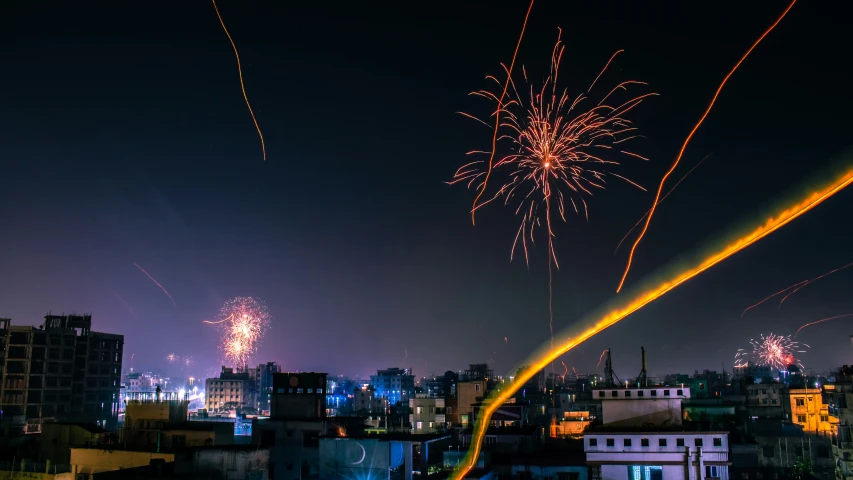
(687,141)
(558,151)
(244,320)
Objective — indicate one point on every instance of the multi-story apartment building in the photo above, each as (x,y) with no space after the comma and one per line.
(260,384)
(228,392)
(427,414)
(642,438)
(805,407)
(839,398)
(61,370)
(395,384)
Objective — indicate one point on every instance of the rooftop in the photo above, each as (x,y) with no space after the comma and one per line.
(393,437)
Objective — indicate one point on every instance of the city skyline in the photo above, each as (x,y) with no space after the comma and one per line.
(140,195)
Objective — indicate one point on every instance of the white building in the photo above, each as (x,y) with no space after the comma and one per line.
(642,438)
(427,414)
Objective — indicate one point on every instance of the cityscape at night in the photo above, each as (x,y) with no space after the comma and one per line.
(518,239)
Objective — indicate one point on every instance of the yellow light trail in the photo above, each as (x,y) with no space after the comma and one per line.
(687,140)
(786,215)
(242,86)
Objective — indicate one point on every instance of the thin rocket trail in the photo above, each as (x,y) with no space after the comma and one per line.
(821,321)
(123,302)
(242,86)
(771,224)
(498,113)
(771,296)
(687,140)
(805,283)
(156,282)
(661,201)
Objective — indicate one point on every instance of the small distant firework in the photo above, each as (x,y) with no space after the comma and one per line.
(155,282)
(187,361)
(776,351)
(244,320)
(172,358)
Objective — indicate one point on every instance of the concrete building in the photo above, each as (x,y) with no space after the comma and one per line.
(428,414)
(467,395)
(365,402)
(382,456)
(840,399)
(62,371)
(58,438)
(571,424)
(260,385)
(642,438)
(395,384)
(805,407)
(228,392)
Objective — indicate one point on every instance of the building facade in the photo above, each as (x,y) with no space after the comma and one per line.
(260,384)
(642,438)
(61,370)
(395,384)
(428,414)
(805,408)
(228,392)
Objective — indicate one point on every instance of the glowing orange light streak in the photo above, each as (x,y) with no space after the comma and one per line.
(156,282)
(821,321)
(687,140)
(242,86)
(773,223)
(498,112)
(600,358)
(661,201)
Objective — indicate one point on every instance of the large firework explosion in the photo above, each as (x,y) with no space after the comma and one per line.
(559,149)
(243,321)
(776,351)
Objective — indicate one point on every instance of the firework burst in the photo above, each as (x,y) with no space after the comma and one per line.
(559,150)
(776,351)
(243,321)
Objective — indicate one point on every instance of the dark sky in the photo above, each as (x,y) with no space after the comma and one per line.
(125,138)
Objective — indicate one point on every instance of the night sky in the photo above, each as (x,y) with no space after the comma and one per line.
(125,138)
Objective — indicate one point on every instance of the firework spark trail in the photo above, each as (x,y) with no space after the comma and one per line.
(157,283)
(771,296)
(242,86)
(821,321)
(600,358)
(687,140)
(244,322)
(805,283)
(661,201)
(541,360)
(498,112)
(123,302)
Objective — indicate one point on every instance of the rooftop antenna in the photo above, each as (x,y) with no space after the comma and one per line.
(642,379)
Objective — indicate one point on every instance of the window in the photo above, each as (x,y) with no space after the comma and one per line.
(601,394)
(718,442)
(801,419)
(420,425)
(639,393)
(310,390)
(764,401)
(810,398)
(645,472)
(627,393)
(679,442)
(800,402)
(697,442)
(764,391)
(654,393)
(476,387)
(662,442)
(666,393)
(432,409)
(611,442)
(824,418)
(679,392)
(774,401)
(614,394)
(626,442)
(593,442)
(712,471)
(644,442)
